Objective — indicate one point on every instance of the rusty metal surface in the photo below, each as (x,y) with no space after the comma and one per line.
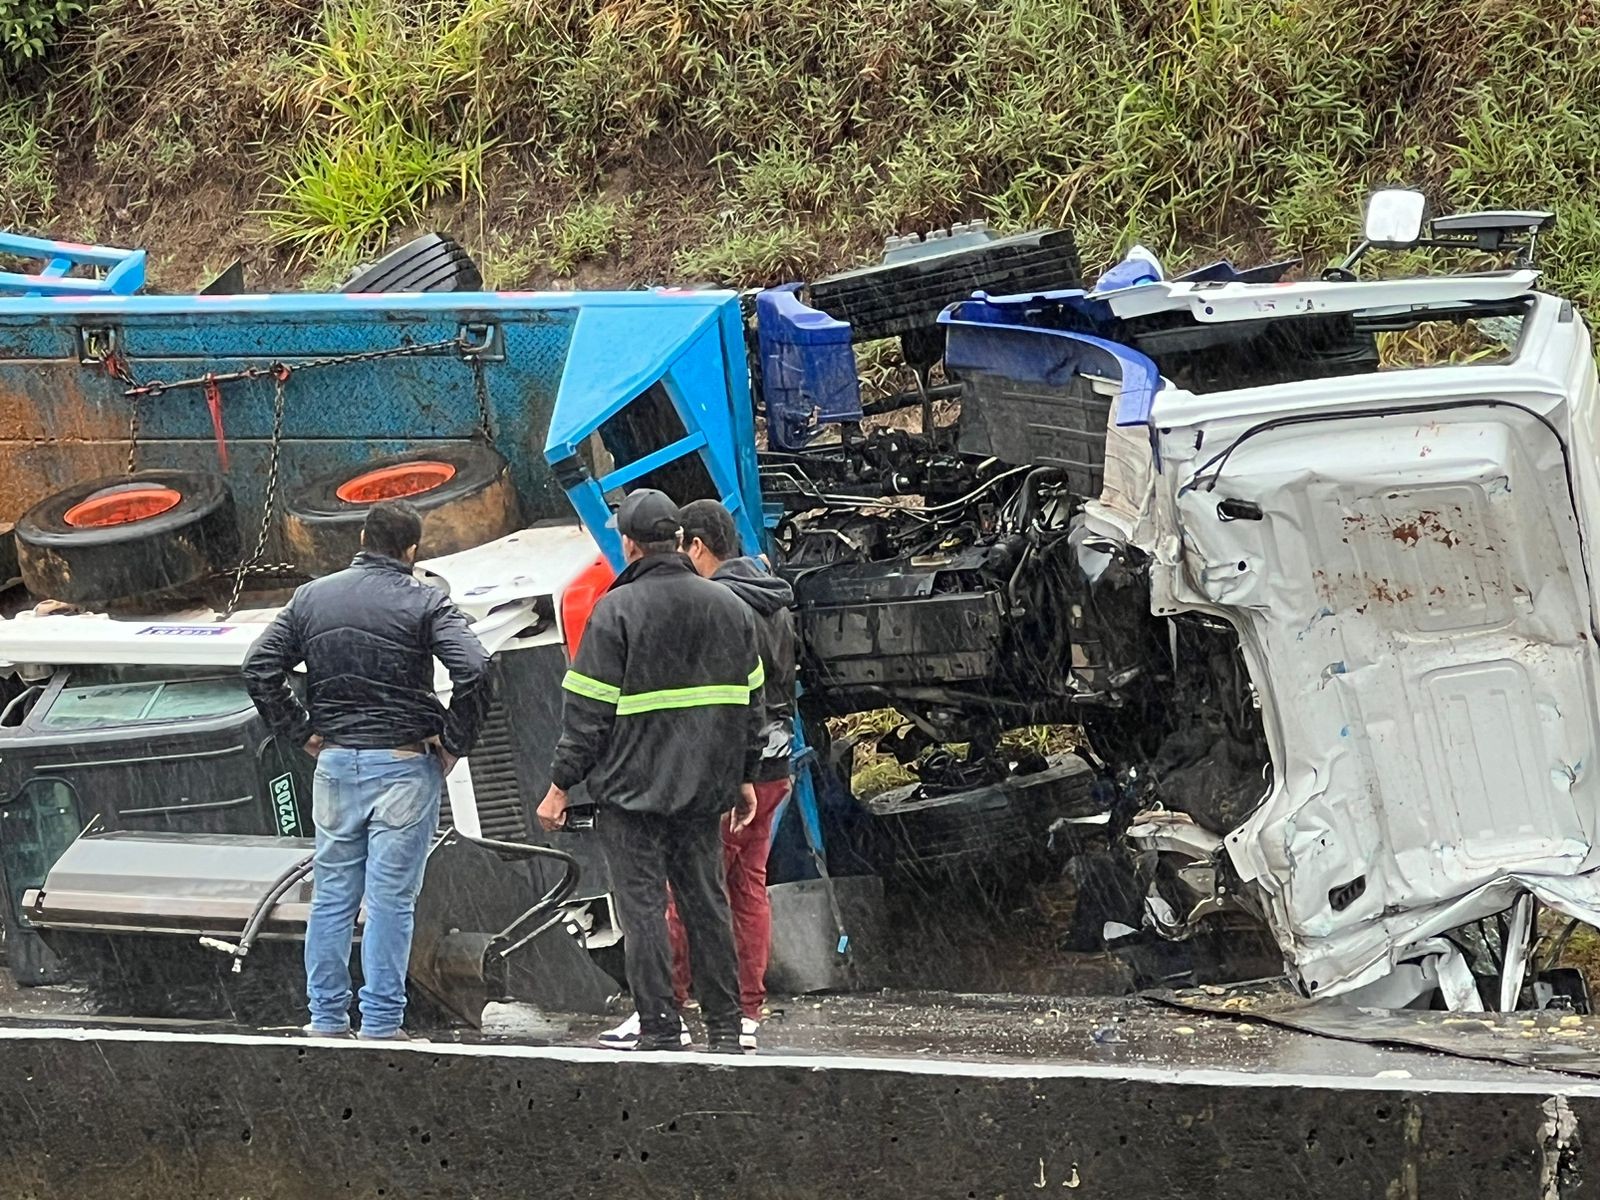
(63,420)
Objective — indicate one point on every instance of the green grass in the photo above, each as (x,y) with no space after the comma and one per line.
(747,251)
(27,169)
(346,189)
(585,232)
(759,141)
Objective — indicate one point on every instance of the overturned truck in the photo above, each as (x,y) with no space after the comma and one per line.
(1306,561)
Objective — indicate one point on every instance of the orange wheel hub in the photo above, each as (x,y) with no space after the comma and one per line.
(396,482)
(122,505)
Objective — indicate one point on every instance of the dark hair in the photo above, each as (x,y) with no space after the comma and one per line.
(712,523)
(392,528)
(664,546)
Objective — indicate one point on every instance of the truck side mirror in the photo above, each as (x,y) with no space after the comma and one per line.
(1395,218)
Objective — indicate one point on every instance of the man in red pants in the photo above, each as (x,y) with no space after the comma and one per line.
(711,541)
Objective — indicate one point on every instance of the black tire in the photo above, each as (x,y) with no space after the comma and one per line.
(8,556)
(476,504)
(434,262)
(194,538)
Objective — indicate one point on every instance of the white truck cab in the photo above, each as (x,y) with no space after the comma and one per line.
(1405,556)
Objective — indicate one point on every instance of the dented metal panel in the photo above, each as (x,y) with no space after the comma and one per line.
(1415,607)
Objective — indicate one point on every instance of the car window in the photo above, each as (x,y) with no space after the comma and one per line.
(36,825)
(100,705)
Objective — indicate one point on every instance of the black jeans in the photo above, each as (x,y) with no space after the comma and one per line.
(645,852)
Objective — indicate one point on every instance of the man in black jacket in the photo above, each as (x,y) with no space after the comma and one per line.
(663,720)
(383,742)
(711,541)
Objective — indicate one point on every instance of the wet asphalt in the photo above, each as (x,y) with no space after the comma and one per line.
(1125,1032)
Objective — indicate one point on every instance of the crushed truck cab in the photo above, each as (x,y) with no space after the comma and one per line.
(1404,557)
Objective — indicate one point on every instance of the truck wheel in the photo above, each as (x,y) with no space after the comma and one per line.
(129,535)
(464,492)
(434,262)
(903,295)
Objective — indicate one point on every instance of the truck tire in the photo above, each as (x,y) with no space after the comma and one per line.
(434,262)
(8,556)
(464,492)
(128,535)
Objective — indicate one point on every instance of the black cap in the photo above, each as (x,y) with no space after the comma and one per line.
(647,516)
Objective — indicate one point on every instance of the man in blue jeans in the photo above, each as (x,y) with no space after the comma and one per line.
(383,742)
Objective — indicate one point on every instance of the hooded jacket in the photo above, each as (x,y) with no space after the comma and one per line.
(662,712)
(769,599)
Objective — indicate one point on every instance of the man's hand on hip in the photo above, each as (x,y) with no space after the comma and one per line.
(553,810)
(447,761)
(313,747)
(745,810)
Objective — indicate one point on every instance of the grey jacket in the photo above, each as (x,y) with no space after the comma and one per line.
(769,599)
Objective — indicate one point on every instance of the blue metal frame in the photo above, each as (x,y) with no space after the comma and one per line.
(124,269)
(808,368)
(983,335)
(654,303)
(695,353)
(551,359)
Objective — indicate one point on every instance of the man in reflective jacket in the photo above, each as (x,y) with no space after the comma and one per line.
(663,719)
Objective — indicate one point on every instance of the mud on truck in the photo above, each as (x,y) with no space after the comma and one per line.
(1305,560)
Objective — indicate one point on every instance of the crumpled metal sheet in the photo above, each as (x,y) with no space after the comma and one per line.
(1413,606)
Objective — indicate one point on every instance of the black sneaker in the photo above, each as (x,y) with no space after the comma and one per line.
(726,1044)
(657,1041)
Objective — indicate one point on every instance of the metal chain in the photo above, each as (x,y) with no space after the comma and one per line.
(269,505)
(157,387)
(480,389)
(117,367)
(133,435)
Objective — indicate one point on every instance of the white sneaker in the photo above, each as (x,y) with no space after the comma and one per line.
(747,1032)
(626,1035)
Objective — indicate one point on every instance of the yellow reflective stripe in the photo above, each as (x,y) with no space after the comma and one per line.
(758,676)
(692,697)
(582,685)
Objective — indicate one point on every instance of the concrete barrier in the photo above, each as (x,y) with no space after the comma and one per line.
(142,1115)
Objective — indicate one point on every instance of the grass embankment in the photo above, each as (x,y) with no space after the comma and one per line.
(712,139)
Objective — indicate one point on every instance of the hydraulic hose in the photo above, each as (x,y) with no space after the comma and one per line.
(259,914)
(507,942)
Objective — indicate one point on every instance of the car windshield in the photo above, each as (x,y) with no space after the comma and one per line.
(106,697)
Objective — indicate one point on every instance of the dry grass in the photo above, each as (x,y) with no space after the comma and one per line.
(877,770)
